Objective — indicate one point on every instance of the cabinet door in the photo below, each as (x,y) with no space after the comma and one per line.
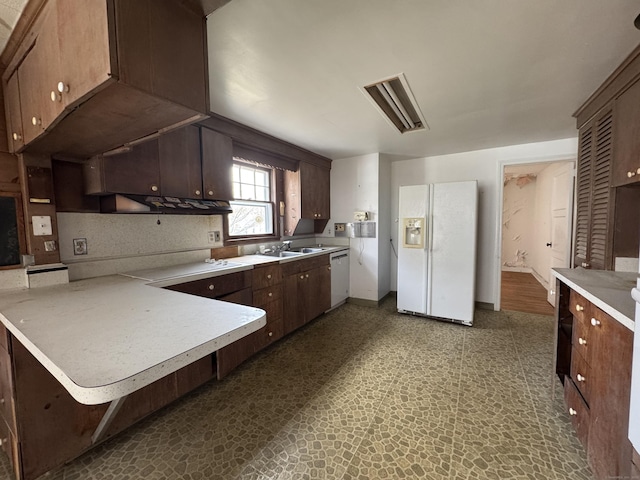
(13,114)
(626,168)
(583,196)
(83,24)
(314,191)
(293,302)
(318,291)
(38,77)
(602,199)
(609,450)
(595,198)
(217,165)
(180,167)
(136,172)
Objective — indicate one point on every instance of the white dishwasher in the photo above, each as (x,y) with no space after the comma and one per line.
(339,277)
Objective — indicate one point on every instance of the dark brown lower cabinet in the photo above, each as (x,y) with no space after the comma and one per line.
(52,428)
(307,291)
(597,382)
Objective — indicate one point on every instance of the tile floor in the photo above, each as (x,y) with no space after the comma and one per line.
(364,393)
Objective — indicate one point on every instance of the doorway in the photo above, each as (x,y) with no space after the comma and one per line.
(536,223)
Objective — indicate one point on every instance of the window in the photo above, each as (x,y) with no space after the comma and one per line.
(252,207)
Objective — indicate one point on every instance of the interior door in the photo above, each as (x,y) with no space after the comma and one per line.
(561,208)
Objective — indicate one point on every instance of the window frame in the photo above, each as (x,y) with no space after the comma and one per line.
(274,183)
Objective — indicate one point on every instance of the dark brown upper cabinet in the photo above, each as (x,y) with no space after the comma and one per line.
(177,164)
(627,138)
(217,165)
(306,193)
(93,75)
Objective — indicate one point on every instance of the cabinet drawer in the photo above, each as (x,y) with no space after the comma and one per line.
(579,306)
(241,297)
(580,338)
(578,410)
(266,295)
(215,286)
(274,310)
(581,374)
(7,407)
(267,276)
(270,333)
(304,265)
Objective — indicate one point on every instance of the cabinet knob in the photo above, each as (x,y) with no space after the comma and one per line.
(154,188)
(197,192)
(307,275)
(269,276)
(210,193)
(595,322)
(271,334)
(580,378)
(572,411)
(638,171)
(63,87)
(35,121)
(16,136)
(301,277)
(329,267)
(55,96)
(631,174)
(579,308)
(270,294)
(582,341)
(211,287)
(1,401)
(3,441)
(552,292)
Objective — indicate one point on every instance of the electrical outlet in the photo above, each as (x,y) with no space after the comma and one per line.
(211,236)
(216,235)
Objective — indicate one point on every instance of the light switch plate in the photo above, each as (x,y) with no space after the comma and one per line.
(41,226)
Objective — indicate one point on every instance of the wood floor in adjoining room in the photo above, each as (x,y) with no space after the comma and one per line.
(523,293)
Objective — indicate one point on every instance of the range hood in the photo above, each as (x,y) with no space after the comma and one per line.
(119,203)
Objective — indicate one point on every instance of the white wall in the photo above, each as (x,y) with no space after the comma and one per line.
(384,227)
(518,225)
(485,166)
(119,243)
(355,186)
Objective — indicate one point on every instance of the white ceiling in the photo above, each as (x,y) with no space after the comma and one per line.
(10,11)
(485,73)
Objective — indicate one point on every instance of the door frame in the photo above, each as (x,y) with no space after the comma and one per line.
(502,164)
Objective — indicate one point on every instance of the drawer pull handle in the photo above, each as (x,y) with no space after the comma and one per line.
(579,308)
(572,411)
(269,276)
(270,294)
(595,322)
(582,341)
(581,378)
(211,287)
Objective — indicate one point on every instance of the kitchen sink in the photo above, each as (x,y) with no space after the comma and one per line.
(283,254)
(308,250)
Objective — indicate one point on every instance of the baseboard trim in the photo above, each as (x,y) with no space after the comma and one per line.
(369,303)
(485,306)
(517,269)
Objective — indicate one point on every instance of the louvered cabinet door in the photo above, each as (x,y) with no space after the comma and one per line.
(583,196)
(602,201)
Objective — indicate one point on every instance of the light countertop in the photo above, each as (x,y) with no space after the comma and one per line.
(607,290)
(106,337)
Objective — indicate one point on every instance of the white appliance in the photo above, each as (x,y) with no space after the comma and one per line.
(339,262)
(437,251)
(634,410)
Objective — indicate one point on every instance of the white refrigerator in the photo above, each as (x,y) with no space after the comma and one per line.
(437,250)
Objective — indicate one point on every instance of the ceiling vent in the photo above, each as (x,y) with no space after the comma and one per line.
(394,100)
